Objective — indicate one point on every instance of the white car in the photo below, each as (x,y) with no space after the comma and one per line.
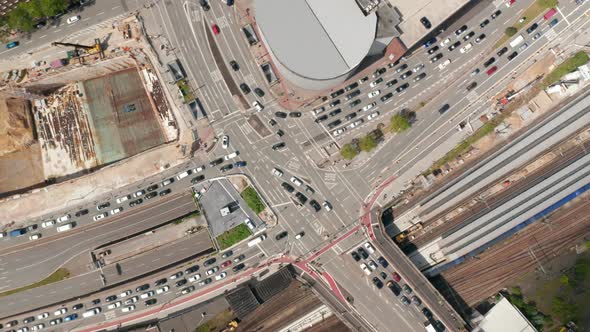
(418,68)
(299,235)
(221,276)
(34,237)
(372,115)
(55,321)
(374,83)
(277,172)
(194,278)
(356,123)
(139,193)
(212,271)
(296,181)
(199,169)
(372,265)
(327,206)
(60,311)
(369,247)
(445,41)
(232,155)
(48,223)
(225,141)
(43,315)
(338,131)
(147,294)
(369,106)
(123,199)
(132,300)
(257,105)
(23,329)
(73,19)
(444,64)
(466,48)
(38,327)
(163,289)
(373,93)
(128,308)
(117,210)
(249,223)
(63,218)
(365,269)
(114,305)
(125,293)
(100,216)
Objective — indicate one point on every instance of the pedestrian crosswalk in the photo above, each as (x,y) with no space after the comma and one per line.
(294,164)
(330,177)
(216,75)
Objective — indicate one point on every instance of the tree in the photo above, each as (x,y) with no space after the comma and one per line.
(348,151)
(510,31)
(548,3)
(33,8)
(399,123)
(367,143)
(20,19)
(53,7)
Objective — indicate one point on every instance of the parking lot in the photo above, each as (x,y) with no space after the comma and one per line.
(220,193)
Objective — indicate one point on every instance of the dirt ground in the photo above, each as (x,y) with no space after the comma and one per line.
(21,169)
(16,126)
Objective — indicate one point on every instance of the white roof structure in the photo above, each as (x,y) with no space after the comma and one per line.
(316,39)
(504,317)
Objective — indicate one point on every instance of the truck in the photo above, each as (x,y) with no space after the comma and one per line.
(516,41)
(257,240)
(58,63)
(18,232)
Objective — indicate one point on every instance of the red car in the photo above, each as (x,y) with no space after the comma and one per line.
(215,29)
(225,264)
(492,70)
(396,277)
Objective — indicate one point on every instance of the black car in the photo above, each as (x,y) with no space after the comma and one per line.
(151,302)
(205,5)
(334,124)
(460,30)
(259,92)
(207,281)
(426,23)
(455,45)
(272,122)
(245,88)
(391,83)
(383,261)
(436,58)
(484,23)
(334,103)
(469,35)
(103,206)
(355,103)
(416,300)
(110,298)
(427,313)
(402,67)
(215,162)
(407,289)
(165,192)
(136,202)
(41,24)
(198,178)
(321,118)
(77,306)
(532,28)
(405,300)
(82,213)
(238,267)
(160,282)
(395,289)
(153,187)
(433,49)
(351,86)
(226,168)
(502,51)
(496,14)
(181,282)
(278,146)
(142,288)
(295,114)
(96,301)
(444,109)
(316,206)
(336,93)
(350,116)
(288,187)
(281,235)
(512,55)
(32,227)
(281,115)
(379,72)
(210,261)
(363,253)
(280,133)
(28,320)
(386,97)
(480,38)
(234,65)
(489,62)
(471,86)
(406,75)
(377,282)
(151,195)
(191,269)
(419,77)
(355,256)
(301,198)
(335,112)
(402,87)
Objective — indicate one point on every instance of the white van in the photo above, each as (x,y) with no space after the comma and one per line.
(232,155)
(63,218)
(91,312)
(65,227)
(257,240)
(123,199)
(184,174)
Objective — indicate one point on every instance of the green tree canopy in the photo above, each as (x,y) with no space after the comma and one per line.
(53,7)
(34,8)
(348,151)
(510,31)
(399,123)
(548,3)
(367,143)
(20,19)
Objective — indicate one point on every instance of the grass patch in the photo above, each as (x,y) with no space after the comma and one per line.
(187,217)
(531,13)
(253,200)
(59,275)
(217,323)
(185,91)
(568,66)
(233,236)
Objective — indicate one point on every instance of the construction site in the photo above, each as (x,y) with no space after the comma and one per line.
(98,104)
